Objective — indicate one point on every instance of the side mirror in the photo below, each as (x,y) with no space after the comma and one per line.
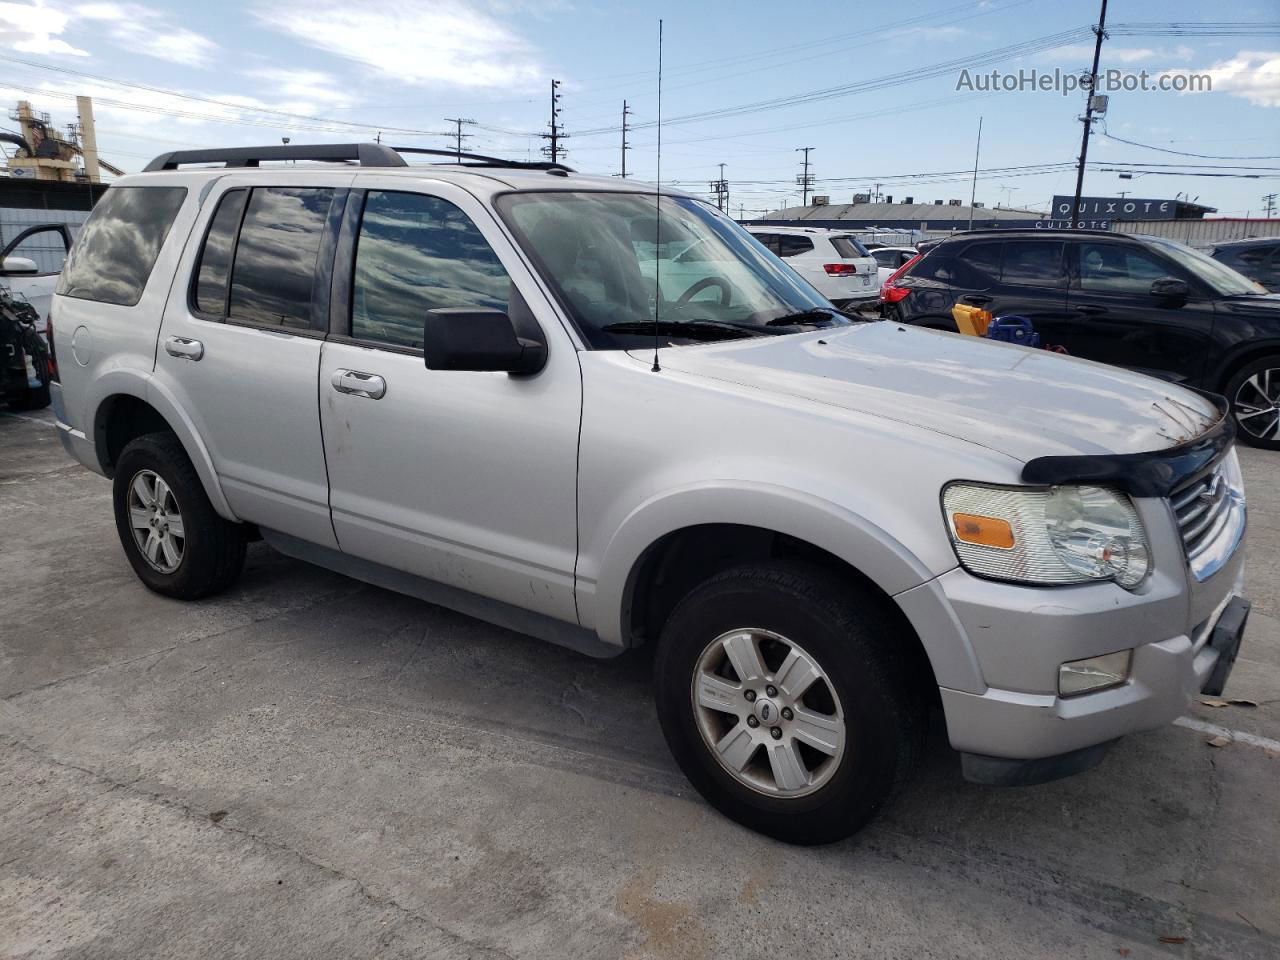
(1170,290)
(471,338)
(19,266)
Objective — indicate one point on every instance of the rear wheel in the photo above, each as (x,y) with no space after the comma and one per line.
(174,539)
(1254,393)
(785,696)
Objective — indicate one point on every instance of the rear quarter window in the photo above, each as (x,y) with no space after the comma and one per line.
(117,249)
(849,248)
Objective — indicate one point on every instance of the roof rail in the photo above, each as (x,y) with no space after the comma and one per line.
(367,154)
(480,160)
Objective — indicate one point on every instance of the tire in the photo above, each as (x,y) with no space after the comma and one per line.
(1254,394)
(209,552)
(873,702)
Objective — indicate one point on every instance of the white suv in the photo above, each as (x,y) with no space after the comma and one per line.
(471,383)
(836,263)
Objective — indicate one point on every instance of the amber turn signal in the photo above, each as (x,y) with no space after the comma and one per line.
(984,531)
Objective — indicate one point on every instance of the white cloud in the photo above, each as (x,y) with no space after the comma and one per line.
(34,28)
(302,91)
(1251,75)
(150,32)
(415,41)
(1114,55)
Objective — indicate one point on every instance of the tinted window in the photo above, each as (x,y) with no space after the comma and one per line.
(849,248)
(276,256)
(1033,262)
(117,249)
(886,258)
(982,261)
(416,253)
(770,240)
(789,246)
(1110,268)
(215,256)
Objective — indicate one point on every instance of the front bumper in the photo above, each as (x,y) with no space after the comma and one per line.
(1020,636)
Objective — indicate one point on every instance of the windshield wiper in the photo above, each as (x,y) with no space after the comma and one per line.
(689,329)
(805,316)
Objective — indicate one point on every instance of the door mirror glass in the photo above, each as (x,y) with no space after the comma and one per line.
(480,339)
(1170,289)
(18,266)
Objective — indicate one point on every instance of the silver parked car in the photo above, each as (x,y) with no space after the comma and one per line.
(470,383)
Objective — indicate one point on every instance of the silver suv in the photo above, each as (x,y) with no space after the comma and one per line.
(482,383)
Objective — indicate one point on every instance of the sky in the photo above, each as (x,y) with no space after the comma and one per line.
(871,87)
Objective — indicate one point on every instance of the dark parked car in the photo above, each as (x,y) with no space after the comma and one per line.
(1145,303)
(1257,259)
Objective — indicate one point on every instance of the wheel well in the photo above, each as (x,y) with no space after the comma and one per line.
(1238,363)
(120,419)
(677,563)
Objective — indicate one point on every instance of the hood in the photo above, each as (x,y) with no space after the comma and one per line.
(1020,402)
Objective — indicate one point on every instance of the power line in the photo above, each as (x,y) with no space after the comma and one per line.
(1179,153)
(458,135)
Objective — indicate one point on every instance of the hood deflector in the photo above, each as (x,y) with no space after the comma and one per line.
(1154,474)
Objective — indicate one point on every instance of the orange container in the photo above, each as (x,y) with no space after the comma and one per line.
(971,321)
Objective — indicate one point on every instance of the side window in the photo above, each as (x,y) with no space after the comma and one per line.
(210,295)
(1110,268)
(886,258)
(117,249)
(983,259)
(417,253)
(790,246)
(275,258)
(770,240)
(1033,263)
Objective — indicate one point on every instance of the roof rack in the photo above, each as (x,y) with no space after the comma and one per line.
(480,160)
(366,154)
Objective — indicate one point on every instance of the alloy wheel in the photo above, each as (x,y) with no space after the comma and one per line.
(1257,405)
(768,712)
(156,521)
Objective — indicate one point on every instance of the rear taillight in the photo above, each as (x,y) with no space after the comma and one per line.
(53,354)
(891,292)
(840,269)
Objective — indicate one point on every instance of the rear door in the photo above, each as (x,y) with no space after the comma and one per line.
(465,478)
(1113,318)
(1033,284)
(240,344)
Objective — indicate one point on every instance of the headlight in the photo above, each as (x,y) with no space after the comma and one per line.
(1068,534)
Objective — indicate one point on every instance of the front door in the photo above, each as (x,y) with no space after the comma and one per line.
(240,346)
(1115,319)
(465,478)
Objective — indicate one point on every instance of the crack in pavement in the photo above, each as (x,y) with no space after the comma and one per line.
(204,820)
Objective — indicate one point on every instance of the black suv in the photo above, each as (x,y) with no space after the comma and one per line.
(1145,303)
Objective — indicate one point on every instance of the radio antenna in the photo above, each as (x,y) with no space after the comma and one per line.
(657,216)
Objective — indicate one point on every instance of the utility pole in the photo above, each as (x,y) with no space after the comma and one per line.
(973,190)
(553,149)
(458,135)
(626,112)
(804,180)
(1269,204)
(1087,119)
(721,189)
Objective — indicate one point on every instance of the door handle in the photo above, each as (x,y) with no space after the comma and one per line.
(975,301)
(184,348)
(359,384)
(1091,309)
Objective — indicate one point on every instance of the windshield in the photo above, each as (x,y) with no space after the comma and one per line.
(1219,276)
(618,265)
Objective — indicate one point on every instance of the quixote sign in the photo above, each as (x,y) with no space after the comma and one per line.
(1096,213)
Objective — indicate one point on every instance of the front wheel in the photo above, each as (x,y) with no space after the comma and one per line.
(1254,393)
(785,695)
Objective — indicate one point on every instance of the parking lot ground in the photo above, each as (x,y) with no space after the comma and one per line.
(311,767)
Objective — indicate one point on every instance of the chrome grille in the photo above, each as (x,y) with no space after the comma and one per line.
(1211,516)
